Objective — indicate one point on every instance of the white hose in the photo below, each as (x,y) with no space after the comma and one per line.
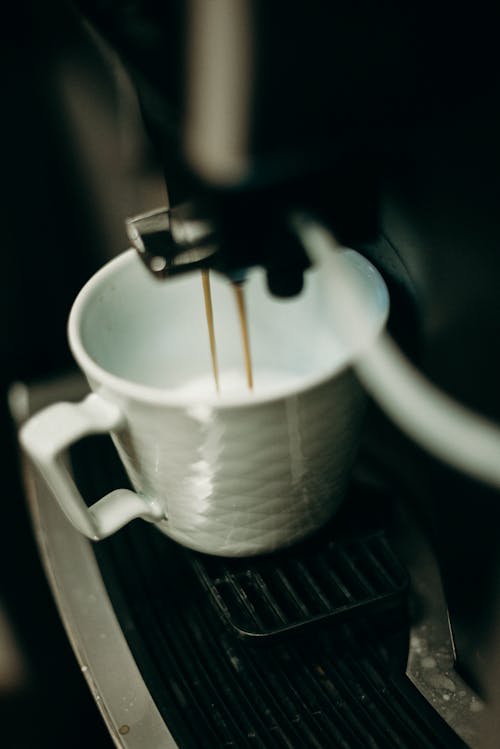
(447,429)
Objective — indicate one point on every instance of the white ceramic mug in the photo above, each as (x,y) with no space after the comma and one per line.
(237,473)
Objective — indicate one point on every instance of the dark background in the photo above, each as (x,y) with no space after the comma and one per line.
(73,166)
(75,163)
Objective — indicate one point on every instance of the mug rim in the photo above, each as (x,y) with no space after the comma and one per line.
(159,397)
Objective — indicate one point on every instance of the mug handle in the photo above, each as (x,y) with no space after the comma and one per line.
(46,437)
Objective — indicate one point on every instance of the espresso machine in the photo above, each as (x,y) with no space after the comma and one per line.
(380,122)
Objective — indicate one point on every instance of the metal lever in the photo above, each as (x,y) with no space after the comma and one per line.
(170,241)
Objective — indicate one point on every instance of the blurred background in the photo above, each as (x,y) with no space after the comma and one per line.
(76,161)
(67,107)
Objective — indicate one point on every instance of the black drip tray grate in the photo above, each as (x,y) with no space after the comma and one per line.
(341,685)
(323,579)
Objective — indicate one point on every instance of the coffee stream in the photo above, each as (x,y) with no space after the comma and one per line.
(240,303)
(205,278)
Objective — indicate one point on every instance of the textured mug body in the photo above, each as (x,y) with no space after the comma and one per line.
(244,480)
(233,473)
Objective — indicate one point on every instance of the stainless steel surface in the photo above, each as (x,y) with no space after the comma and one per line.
(171,240)
(86,611)
(431,659)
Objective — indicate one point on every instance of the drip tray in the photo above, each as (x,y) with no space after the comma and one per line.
(191,620)
(341,684)
(321,580)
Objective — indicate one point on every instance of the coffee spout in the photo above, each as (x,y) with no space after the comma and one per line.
(172,241)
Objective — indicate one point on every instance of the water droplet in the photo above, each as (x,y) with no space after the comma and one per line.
(475,705)
(157,263)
